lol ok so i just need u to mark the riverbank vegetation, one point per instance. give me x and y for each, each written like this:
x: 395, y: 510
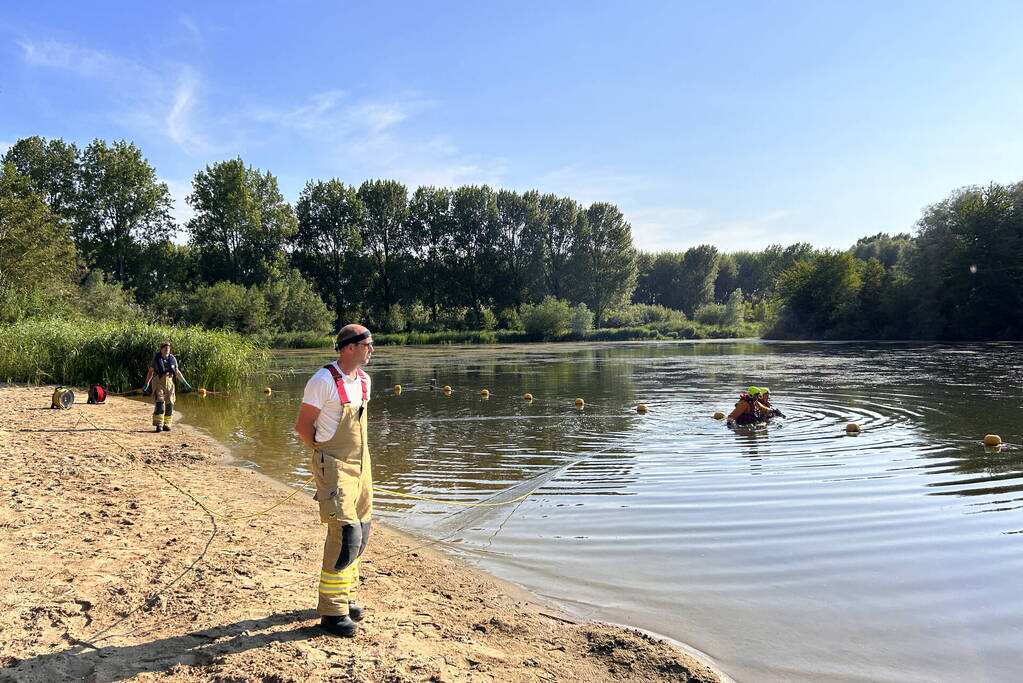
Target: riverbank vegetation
x: 117, y: 355
x: 88, y: 234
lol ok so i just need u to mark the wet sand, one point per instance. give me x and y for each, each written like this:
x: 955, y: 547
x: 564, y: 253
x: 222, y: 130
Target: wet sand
x: 108, y: 573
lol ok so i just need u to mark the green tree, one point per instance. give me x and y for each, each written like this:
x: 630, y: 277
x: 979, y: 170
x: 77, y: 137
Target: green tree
x: 241, y: 223
x: 555, y: 227
x: 430, y: 229
x: 163, y: 267
x: 517, y: 246
x: 474, y: 240
x: 50, y: 169
x: 37, y: 256
x: 727, y: 280
x: 967, y: 265
x: 643, y: 294
x: 385, y: 233
x: 696, y: 280
x: 330, y: 215
x: 121, y: 206
x: 888, y: 250
x: 819, y: 294
x: 665, y: 280
x: 604, y: 261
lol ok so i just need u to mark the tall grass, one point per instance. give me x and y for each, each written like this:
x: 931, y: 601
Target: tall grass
x: 117, y: 356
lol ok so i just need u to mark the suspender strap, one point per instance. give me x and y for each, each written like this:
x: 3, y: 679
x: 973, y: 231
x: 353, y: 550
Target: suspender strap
x: 365, y: 384
x: 339, y: 380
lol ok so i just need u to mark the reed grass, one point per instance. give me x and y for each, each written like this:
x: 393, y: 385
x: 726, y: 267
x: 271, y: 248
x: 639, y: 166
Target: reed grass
x: 80, y: 353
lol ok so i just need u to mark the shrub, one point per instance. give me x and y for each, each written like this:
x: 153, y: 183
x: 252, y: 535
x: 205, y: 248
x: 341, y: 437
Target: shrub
x: 642, y: 314
x: 395, y: 321
x: 735, y: 309
x: 582, y: 319
x: 547, y: 319
x: 228, y: 306
x: 710, y: 314
x: 293, y: 306
x: 509, y: 319
x: 488, y: 321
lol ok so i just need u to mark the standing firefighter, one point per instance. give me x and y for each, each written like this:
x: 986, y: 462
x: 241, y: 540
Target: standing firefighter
x: 162, y: 372
x: 332, y: 421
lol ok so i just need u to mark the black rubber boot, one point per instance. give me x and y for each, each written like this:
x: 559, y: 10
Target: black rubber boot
x: 355, y: 612
x: 166, y: 428
x: 342, y: 627
x: 158, y: 428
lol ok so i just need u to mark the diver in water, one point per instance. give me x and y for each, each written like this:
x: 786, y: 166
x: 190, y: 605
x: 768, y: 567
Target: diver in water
x: 749, y: 410
x: 765, y: 399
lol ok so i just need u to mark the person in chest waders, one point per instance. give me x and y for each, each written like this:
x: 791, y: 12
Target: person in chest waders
x: 332, y: 421
x: 162, y: 372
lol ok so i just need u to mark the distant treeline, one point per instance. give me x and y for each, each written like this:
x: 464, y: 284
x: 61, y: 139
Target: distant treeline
x: 88, y: 232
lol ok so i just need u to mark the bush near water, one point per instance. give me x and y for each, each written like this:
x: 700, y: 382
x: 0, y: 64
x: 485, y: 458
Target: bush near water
x: 117, y: 355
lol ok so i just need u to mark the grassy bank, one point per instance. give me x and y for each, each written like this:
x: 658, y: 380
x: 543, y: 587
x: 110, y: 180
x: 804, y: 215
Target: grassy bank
x: 117, y: 355
x: 665, y: 331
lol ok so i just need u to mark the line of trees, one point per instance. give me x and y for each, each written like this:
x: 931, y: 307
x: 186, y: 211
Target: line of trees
x: 91, y: 229
x: 443, y: 257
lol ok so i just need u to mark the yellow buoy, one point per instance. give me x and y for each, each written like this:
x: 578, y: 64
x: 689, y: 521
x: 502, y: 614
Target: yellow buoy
x: 719, y: 415
x: 397, y: 388
x: 267, y: 390
x: 852, y: 428
x: 202, y: 391
x: 993, y: 449
x: 528, y: 397
x: 579, y: 403
x: 485, y: 393
x: 641, y: 408
x: 992, y: 440
x: 447, y: 389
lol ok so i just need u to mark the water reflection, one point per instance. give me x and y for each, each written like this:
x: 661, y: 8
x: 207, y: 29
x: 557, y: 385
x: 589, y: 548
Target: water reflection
x: 770, y: 549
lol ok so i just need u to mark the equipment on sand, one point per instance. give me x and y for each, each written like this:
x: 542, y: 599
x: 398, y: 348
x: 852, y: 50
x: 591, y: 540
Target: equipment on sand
x: 62, y: 398
x: 97, y: 394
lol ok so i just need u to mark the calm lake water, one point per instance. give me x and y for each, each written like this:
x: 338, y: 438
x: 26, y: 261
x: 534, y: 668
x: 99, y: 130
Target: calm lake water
x: 789, y: 553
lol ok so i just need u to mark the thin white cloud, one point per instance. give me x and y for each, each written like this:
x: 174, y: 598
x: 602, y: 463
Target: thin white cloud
x: 179, y: 120
x: 80, y: 60
x: 191, y: 27
x: 4, y: 146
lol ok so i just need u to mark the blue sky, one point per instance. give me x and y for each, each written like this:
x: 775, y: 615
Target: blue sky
x: 734, y: 124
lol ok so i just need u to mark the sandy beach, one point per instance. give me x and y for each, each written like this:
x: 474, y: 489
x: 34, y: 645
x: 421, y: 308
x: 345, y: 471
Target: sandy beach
x: 109, y: 574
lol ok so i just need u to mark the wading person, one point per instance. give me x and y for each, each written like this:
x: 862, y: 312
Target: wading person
x: 749, y: 410
x: 332, y: 421
x: 162, y: 372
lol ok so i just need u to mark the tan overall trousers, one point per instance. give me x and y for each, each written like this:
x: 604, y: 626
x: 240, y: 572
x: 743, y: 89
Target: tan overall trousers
x: 163, y: 391
x: 344, y: 491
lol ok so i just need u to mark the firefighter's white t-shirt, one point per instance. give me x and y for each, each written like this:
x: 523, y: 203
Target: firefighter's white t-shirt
x: 321, y: 392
